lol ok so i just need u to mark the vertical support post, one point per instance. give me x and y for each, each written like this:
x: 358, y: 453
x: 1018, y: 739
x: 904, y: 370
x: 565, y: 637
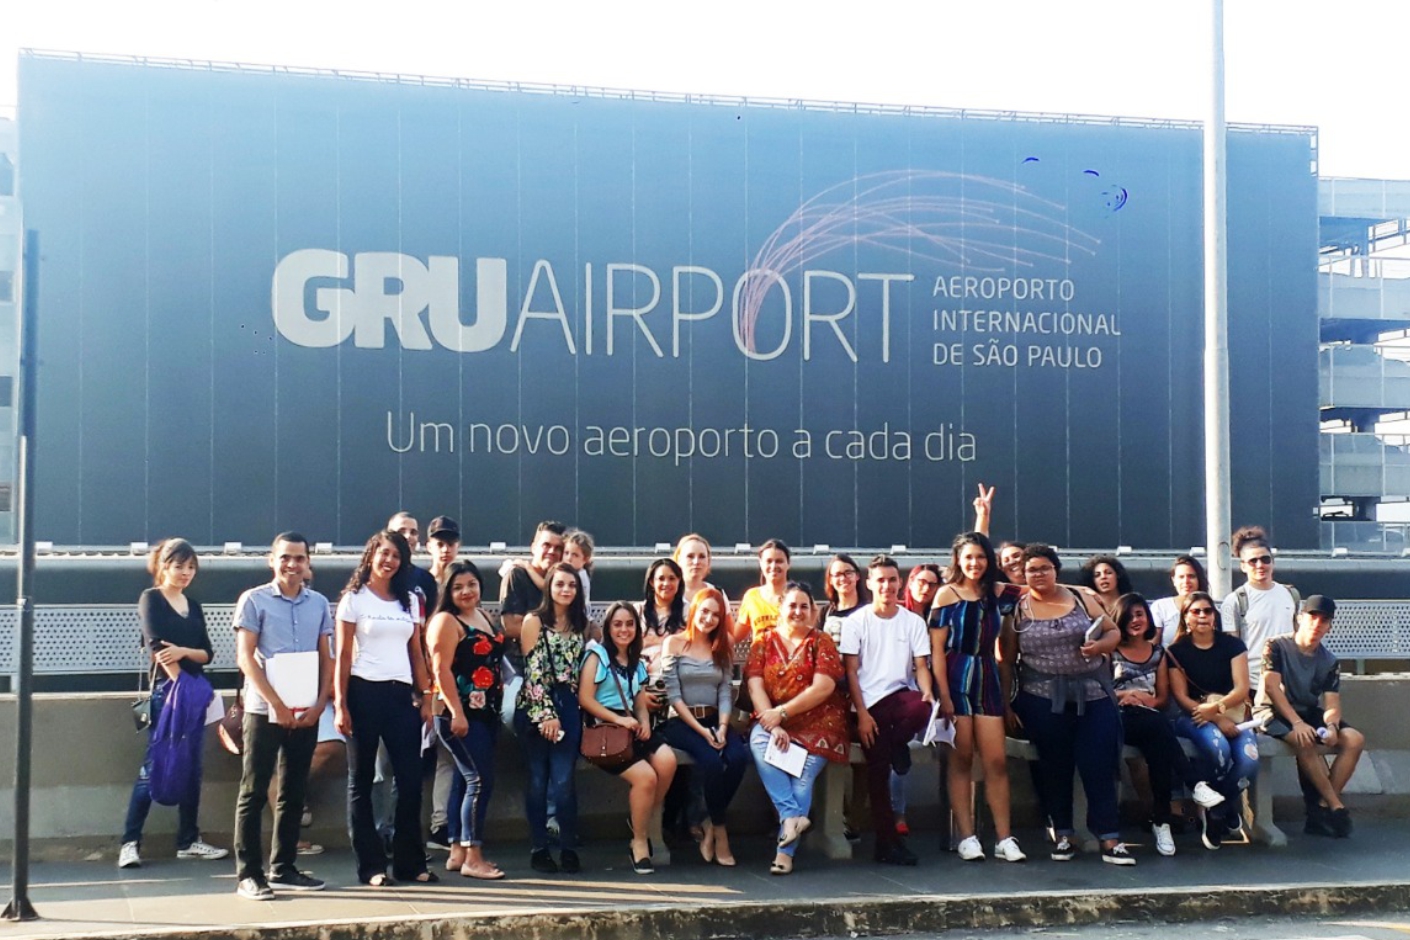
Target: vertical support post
x: 19, y: 907
x: 1216, y: 323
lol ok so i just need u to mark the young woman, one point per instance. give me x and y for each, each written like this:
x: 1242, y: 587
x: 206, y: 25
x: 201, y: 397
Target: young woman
x: 1107, y: 577
x: 612, y: 689
x: 1187, y: 576
x: 759, y: 608
x: 1011, y: 560
x: 379, y: 672
x: 921, y: 585
x: 693, y: 555
x: 1065, y: 701
x: 662, y: 608
x: 793, y: 674
x: 174, y: 633
x: 1142, y: 682
x: 698, y: 668
x: 846, y: 590
x: 964, y: 637
x: 547, y: 718
x: 1210, y: 684
x: 466, y: 651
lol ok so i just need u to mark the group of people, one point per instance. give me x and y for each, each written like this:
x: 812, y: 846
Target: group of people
x: 994, y: 645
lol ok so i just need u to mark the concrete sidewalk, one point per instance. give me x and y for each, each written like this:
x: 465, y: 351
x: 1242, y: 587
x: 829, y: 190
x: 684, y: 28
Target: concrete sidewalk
x: 167, y: 897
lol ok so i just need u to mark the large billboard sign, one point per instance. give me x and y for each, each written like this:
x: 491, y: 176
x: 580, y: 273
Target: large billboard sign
x: 273, y: 300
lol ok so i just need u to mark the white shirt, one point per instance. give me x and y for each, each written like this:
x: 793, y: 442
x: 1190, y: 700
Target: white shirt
x: 886, y: 650
x: 1166, y: 614
x: 1270, y: 613
x: 383, y: 631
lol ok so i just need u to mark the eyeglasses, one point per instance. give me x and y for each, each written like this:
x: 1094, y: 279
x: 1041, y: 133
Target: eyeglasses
x: 927, y: 582
x: 1200, y: 612
x: 1259, y: 560
x: 1045, y: 569
x: 846, y: 574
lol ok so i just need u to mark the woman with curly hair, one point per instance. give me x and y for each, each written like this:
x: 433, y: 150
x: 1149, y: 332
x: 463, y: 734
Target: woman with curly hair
x: 1107, y: 577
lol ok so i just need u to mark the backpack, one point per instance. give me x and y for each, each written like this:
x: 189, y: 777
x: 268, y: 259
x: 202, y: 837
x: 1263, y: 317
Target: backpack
x: 177, y: 738
x: 1240, y: 596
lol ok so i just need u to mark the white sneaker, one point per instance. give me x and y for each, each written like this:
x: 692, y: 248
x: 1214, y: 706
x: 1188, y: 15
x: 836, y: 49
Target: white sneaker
x: 1164, y: 841
x: 1206, y: 796
x: 129, y: 857
x: 1008, y: 851
x: 970, y: 850
x: 202, y: 850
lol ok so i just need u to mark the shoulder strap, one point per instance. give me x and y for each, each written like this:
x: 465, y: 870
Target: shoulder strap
x: 1296, y: 598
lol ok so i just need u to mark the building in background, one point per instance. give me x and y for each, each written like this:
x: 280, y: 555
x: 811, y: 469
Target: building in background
x: 11, y: 240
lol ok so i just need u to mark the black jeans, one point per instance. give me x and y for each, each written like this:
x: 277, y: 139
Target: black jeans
x: 384, y: 711
x: 1151, y: 733
x: 268, y: 746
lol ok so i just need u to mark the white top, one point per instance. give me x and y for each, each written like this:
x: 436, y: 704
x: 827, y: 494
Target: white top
x: 1270, y: 613
x: 886, y: 650
x: 1166, y: 614
x: 383, y: 630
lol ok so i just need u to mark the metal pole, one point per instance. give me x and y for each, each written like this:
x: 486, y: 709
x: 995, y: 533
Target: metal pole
x: 1216, y: 323
x: 19, y: 907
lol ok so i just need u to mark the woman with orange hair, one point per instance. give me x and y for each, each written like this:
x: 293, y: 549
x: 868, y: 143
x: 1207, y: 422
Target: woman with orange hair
x: 696, y: 664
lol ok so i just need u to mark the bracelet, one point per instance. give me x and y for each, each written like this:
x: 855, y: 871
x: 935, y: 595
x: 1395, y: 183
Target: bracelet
x: 782, y: 712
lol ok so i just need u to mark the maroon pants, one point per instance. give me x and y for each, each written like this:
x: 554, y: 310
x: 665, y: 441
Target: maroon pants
x: 899, y: 717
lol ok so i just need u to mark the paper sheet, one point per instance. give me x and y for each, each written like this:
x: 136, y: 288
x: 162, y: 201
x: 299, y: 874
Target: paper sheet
x: 939, y: 731
x: 295, y: 677
x: 790, y: 761
x: 216, y: 709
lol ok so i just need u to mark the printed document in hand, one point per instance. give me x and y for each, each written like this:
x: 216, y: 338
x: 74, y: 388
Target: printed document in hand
x: 790, y: 761
x: 295, y: 677
x: 215, y: 710
x: 940, y: 730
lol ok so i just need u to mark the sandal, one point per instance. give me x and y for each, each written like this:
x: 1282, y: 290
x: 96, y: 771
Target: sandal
x: 380, y: 880
x: 779, y: 868
x: 422, y: 878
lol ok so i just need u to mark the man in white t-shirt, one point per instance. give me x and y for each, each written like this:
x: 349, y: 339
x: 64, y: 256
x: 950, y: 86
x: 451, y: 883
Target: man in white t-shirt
x: 884, y: 647
x: 1261, y: 608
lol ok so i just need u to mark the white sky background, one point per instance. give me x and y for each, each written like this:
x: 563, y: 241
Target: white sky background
x: 1336, y: 64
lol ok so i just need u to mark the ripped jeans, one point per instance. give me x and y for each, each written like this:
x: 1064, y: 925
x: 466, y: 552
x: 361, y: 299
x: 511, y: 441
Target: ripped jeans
x: 1229, y: 764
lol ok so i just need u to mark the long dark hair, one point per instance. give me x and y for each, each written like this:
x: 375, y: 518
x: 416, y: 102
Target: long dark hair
x: 675, y: 620
x: 446, y: 604
x: 863, y: 593
x: 1183, y: 630
x: 1125, y: 605
x: 1088, y: 577
x: 992, y: 575
x: 610, y: 645
x: 172, y: 551
x: 781, y: 546
x: 401, y: 580
x: 577, y: 610
x: 1201, y: 579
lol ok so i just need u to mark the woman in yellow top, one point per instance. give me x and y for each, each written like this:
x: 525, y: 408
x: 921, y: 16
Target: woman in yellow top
x: 758, y: 610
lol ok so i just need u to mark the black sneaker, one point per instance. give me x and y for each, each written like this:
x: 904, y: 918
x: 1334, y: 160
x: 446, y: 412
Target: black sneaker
x: 570, y: 863
x: 439, y: 839
x: 1063, y: 850
x: 1118, y: 854
x: 254, y: 889
x: 543, y: 863
x: 896, y: 854
x: 1340, y: 820
x: 296, y: 881
x: 1211, y: 832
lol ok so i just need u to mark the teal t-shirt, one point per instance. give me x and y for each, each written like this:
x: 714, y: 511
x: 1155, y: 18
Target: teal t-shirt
x: 607, y: 694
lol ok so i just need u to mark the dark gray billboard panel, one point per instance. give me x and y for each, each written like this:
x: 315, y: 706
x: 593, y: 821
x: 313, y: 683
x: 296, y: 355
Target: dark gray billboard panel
x: 276, y: 300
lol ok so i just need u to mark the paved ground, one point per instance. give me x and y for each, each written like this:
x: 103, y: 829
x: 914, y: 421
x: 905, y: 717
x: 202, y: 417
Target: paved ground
x: 1366, y: 875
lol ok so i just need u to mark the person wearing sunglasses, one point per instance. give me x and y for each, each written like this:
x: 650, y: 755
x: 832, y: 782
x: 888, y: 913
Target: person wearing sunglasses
x: 1260, y: 608
x: 1209, y: 681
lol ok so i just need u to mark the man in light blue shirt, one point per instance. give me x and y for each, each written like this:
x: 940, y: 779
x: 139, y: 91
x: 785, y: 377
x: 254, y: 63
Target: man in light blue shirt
x: 274, y: 619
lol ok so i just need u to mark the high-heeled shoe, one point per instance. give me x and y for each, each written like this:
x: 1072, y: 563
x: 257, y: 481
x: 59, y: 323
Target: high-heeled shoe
x: 707, y: 842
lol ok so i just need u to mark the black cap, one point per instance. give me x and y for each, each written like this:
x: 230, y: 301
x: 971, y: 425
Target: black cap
x: 445, y: 528
x: 1319, y: 604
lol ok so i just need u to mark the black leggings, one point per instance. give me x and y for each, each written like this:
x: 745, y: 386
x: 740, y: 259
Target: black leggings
x: 1150, y: 732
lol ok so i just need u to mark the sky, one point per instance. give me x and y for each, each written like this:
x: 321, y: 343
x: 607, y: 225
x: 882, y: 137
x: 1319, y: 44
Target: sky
x: 1330, y: 65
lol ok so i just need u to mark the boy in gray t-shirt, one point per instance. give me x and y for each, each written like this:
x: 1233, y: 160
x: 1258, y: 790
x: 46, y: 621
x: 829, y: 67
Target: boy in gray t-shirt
x: 1299, y: 701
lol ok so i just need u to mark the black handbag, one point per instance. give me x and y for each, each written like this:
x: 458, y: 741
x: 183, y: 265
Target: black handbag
x: 142, y: 704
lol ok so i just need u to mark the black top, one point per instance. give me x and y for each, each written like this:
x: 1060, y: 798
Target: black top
x: 523, y: 595
x: 1211, y: 671
x: 425, y: 585
x: 161, y: 624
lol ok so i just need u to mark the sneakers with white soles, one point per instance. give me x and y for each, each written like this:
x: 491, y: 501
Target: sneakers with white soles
x: 970, y: 850
x: 1206, y: 796
x: 1008, y: 851
x: 1164, y: 841
x: 1118, y: 854
x: 202, y: 850
x: 130, y: 856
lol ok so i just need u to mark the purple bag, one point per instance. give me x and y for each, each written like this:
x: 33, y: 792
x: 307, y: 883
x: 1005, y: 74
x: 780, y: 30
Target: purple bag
x: 177, y: 738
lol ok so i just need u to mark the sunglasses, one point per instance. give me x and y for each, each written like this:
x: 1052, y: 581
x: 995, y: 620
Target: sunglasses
x: 1259, y: 560
x: 1201, y: 612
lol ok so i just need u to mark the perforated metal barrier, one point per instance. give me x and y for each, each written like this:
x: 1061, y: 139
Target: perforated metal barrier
x: 79, y: 640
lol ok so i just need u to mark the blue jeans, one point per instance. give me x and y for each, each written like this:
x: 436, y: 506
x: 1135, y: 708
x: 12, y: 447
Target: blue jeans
x: 791, y: 796
x: 140, y: 803
x: 1086, y: 743
x: 1230, y: 765
x: 720, y: 772
x: 472, y: 784
x: 551, y: 766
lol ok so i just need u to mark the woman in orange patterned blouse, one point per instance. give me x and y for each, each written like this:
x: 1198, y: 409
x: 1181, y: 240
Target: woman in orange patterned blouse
x: 794, y: 672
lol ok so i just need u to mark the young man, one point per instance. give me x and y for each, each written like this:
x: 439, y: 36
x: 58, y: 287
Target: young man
x: 884, y: 647
x: 1299, y: 701
x: 282, y: 617
x: 1261, y: 608
x: 443, y: 542
x: 519, y: 593
x: 422, y: 581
